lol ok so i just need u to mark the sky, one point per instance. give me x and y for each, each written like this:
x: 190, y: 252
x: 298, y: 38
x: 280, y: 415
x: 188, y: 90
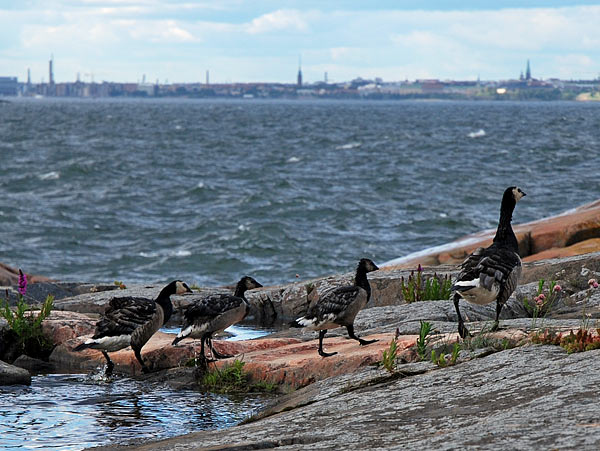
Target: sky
x: 175, y: 41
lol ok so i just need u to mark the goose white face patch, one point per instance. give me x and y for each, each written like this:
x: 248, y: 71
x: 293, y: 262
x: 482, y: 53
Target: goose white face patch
x: 517, y: 194
x: 181, y: 288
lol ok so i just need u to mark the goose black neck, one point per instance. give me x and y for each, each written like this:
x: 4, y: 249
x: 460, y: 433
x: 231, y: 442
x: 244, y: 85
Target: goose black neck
x: 164, y: 300
x: 504, y: 234
x: 240, y: 289
x: 361, y: 280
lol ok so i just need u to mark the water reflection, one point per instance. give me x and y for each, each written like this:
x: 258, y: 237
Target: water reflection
x: 72, y: 412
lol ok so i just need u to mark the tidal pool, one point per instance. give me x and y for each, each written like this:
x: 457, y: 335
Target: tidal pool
x: 77, y: 411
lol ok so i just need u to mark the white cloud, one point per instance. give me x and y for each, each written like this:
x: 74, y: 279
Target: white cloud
x: 277, y: 21
x: 393, y: 44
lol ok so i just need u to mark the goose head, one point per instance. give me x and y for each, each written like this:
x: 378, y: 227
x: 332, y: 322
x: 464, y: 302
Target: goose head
x: 181, y: 287
x: 517, y: 193
x: 249, y: 283
x: 367, y: 265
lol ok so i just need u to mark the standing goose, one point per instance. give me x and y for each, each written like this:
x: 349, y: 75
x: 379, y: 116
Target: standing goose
x: 492, y: 273
x: 339, y: 306
x: 131, y: 321
x: 215, y: 313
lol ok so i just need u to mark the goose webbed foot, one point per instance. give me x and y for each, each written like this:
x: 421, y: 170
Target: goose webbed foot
x: 463, y: 331
x: 352, y: 335
x: 326, y: 354
x: 218, y: 355
x: 321, y: 352
x: 109, y: 365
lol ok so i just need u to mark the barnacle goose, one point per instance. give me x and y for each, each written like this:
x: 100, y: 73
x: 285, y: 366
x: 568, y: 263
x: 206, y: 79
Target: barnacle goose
x: 492, y: 273
x: 214, y: 313
x: 131, y: 321
x: 339, y: 306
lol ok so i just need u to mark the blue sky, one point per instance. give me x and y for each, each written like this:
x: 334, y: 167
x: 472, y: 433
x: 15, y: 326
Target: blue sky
x: 247, y: 41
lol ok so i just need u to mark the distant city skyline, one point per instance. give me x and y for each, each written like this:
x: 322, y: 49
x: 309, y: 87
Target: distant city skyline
x: 262, y: 41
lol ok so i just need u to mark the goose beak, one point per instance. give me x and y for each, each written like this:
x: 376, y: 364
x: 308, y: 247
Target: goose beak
x: 258, y: 285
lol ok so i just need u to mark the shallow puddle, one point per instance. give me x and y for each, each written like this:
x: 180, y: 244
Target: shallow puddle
x: 72, y: 412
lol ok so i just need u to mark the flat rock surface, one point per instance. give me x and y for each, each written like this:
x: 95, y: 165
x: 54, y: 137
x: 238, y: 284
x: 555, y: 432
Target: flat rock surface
x: 531, y: 397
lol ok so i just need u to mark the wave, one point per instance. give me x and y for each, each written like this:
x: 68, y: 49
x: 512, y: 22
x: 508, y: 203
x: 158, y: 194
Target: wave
x: 478, y: 134
x: 351, y: 145
x: 165, y: 253
x: 293, y: 160
x: 52, y: 175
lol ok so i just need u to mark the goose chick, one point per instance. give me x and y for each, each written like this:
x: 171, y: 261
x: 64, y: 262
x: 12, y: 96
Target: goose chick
x: 131, y: 321
x: 338, y: 307
x: 491, y: 274
x: 215, y: 313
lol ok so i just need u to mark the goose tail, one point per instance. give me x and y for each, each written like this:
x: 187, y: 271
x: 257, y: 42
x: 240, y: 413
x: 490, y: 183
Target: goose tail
x: 82, y: 346
x: 181, y: 335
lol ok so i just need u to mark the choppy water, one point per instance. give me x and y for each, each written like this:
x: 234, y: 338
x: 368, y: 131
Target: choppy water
x: 210, y: 190
x: 72, y: 412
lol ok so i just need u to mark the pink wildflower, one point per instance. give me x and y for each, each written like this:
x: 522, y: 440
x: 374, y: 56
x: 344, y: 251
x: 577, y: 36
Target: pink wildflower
x: 593, y: 283
x: 539, y: 301
x: 542, y: 296
x: 557, y: 288
x: 22, y: 283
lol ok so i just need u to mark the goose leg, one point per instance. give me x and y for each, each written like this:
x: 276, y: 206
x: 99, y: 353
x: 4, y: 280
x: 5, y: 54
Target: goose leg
x: 496, y: 325
x: 138, y: 356
x: 351, y: 334
x: 321, y: 352
x: 216, y: 353
x: 109, y: 364
x: 208, y: 339
x: 462, y: 330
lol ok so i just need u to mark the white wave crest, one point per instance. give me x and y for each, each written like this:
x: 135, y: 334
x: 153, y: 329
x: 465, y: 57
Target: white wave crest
x: 293, y: 160
x: 352, y: 145
x: 52, y: 175
x: 478, y: 134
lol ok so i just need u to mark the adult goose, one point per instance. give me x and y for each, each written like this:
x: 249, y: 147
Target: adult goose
x: 338, y: 307
x: 215, y: 313
x: 491, y: 274
x: 131, y: 321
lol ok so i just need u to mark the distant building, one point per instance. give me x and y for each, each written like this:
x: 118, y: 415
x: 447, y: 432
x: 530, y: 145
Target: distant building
x: 8, y: 86
x: 299, y: 80
x: 528, y: 72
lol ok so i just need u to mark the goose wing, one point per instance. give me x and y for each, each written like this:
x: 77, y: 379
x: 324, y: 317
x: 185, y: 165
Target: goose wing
x: 124, y: 315
x: 489, y: 266
x: 211, y: 306
x: 333, y: 303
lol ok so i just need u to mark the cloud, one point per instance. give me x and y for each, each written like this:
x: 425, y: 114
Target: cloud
x: 393, y: 44
x: 287, y: 20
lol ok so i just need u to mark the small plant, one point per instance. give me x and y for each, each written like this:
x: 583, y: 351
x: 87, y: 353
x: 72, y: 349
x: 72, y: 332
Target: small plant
x: 542, y: 303
x: 120, y: 284
x: 581, y: 341
x: 233, y: 379
x: 424, y: 332
x: 388, y: 360
x: 416, y: 288
x: 441, y: 359
x: 546, y: 337
x: 26, y: 325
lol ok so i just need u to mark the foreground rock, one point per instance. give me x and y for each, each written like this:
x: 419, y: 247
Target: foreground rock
x: 13, y: 375
x: 532, y: 397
